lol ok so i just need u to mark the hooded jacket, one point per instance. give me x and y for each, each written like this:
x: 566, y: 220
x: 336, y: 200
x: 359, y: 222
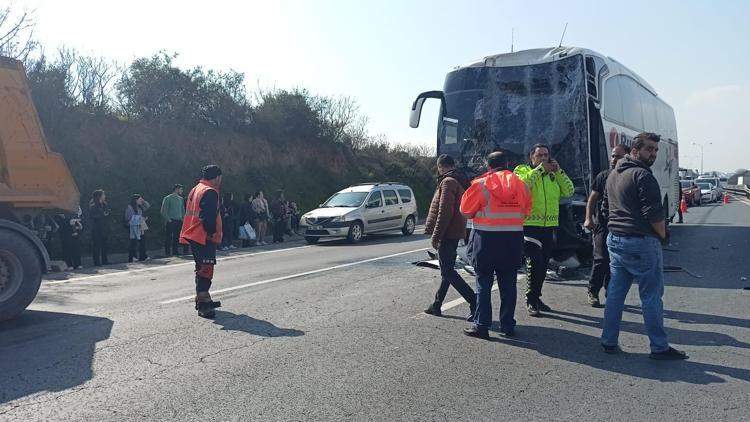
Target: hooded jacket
x: 632, y: 199
x: 444, y: 220
x: 546, y: 191
x: 497, y: 201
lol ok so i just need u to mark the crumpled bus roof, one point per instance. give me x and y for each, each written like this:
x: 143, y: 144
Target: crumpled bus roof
x: 545, y: 55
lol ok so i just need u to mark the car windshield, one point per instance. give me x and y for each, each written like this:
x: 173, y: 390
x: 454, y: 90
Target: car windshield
x: 346, y: 199
x: 686, y: 185
x: 705, y: 186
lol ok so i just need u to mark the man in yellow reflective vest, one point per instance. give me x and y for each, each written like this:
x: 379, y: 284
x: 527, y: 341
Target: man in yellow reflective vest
x: 548, y: 183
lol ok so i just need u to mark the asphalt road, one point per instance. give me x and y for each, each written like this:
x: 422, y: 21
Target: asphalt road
x: 335, y: 332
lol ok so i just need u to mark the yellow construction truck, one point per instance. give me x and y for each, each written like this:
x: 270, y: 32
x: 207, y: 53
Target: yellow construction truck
x: 34, y: 183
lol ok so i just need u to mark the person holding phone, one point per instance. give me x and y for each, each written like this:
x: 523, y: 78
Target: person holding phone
x: 548, y: 183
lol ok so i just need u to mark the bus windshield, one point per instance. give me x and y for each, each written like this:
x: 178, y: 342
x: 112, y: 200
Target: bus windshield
x: 513, y: 108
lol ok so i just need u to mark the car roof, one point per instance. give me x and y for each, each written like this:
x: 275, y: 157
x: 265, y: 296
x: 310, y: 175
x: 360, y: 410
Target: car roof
x: 368, y: 187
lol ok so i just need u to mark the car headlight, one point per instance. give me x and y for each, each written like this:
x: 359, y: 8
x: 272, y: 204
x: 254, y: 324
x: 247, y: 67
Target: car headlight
x: 338, y: 219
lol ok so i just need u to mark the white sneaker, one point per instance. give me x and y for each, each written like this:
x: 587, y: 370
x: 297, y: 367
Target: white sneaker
x: 69, y: 269
x: 80, y: 267
x: 232, y: 247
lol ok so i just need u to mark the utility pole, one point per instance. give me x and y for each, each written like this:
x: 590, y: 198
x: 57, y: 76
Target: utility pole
x: 701, y: 147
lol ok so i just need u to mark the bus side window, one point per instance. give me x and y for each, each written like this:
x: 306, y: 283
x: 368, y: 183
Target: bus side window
x: 613, y: 100
x: 450, y: 130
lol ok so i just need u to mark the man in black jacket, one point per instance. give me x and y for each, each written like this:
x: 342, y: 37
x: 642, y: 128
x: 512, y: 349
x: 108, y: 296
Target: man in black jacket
x: 596, y: 221
x: 636, y: 229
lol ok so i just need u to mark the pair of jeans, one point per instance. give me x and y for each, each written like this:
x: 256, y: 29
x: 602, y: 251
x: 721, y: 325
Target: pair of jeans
x: 635, y: 259
x: 227, y: 233
x: 172, y: 237
x: 496, y: 254
x: 538, y: 246
x: 99, y: 246
x: 71, y: 250
x: 138, y: 246
x: 450, y: 277
x: 600, y: 269
x: 278, y: 230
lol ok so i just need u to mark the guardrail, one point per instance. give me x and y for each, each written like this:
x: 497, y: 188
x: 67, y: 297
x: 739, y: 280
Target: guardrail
x: 738, y: 190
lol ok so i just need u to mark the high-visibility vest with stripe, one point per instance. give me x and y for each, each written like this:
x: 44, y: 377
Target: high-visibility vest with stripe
x: 192, y: 226
x: 497, y: 201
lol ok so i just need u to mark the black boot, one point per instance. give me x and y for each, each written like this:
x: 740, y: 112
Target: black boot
x: 434, y: 309
x: 206, y: 310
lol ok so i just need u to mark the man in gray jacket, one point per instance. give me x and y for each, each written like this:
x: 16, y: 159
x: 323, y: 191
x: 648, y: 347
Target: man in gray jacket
x: 636, y: 229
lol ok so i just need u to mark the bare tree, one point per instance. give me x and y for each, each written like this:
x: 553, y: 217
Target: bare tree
x: 94, y: 81
x: 17, y: 34
x: 339, y: 115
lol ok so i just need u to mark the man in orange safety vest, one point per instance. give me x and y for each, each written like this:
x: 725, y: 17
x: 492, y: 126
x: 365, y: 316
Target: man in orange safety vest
x: 497, y: 203
x: 202, y: 230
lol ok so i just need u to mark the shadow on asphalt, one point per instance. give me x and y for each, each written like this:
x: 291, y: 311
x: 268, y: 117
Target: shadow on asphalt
x: 48, y: 351
x: 247, y: 324
x: 676, y: 335
x: 714, y: 252
x: 586, y: 350
x: 373, y: 239
x: 693, y: 318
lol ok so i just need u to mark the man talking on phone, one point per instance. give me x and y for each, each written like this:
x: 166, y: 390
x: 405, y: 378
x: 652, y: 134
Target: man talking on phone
x: 548, y: 183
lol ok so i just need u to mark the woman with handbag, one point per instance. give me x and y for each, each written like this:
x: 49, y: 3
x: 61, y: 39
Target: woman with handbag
x: 137, y: 227
x: 247, y: 216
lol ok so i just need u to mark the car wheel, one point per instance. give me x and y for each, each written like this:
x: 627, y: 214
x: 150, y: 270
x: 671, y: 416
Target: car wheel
x: 311, y: 240
x: 356, y: 232
x: 409, y: 225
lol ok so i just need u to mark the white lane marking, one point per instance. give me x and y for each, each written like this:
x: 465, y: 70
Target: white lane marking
x: 181, y: 264
x: 453, y: 303
x: 167, y: 266
x: 298, y: 275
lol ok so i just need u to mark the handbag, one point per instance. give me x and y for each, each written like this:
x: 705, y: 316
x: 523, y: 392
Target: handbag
x: 247, y: 232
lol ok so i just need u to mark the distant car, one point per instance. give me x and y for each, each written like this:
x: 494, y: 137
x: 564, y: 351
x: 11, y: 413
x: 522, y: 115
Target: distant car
x: 709, y: 193
x: 363, y: 209
x: 712, y: 180
x: 691, y: 192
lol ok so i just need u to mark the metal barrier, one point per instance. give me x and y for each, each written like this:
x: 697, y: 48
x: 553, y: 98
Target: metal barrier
x: 738, y: 190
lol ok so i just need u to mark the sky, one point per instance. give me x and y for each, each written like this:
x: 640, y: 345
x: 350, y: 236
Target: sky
x: 385, y: 52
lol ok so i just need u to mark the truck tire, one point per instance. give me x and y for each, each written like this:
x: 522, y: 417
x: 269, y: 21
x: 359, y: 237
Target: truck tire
x: 20, y: 274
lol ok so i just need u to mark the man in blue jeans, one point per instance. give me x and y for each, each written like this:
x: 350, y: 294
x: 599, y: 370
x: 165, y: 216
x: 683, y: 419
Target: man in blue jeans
x: 636, y: 228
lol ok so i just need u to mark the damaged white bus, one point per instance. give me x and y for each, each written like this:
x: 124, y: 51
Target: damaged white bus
x: 579, y: 102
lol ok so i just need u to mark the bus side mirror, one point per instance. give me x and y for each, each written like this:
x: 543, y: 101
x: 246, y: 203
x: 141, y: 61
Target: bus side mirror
x: 416, y: 107
x: 416, y: 112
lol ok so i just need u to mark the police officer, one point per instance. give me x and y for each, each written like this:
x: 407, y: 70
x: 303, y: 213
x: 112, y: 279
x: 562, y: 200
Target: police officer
x: 596, y: 221
x: 497, y: 203
x: 548, y: 183
x: 202, y: 230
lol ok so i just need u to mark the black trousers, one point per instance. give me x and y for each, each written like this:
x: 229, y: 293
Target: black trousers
x: 71, y: 249
x: 600, y: 269
x: 140, y: 245
x: 172, y: 237
x: 538, y: 246
x: 278, y: 230
x: 451, y: 277
x: 205, y: 260
x: 99, y: 240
